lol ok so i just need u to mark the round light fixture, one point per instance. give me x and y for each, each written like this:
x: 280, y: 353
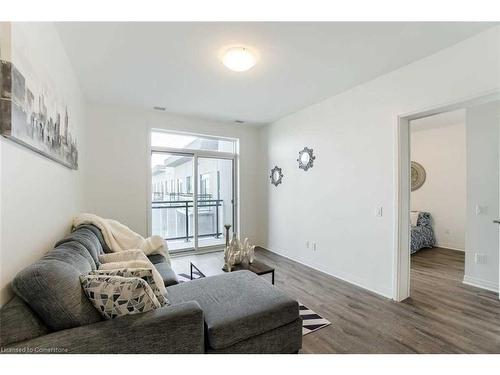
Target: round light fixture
x: 239, y: 59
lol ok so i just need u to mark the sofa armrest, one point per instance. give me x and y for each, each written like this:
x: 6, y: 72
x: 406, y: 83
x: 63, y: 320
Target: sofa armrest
x: 171, y: 329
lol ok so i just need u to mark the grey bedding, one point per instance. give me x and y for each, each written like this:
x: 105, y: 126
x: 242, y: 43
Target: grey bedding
x: 422, y: 235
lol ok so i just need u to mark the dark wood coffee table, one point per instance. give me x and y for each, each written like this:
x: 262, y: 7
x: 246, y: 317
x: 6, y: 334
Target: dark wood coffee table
x: 213, y: 266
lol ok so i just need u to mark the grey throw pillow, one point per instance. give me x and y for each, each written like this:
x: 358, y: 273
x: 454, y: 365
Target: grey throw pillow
x: 115, y: 296
x: 144, y: 273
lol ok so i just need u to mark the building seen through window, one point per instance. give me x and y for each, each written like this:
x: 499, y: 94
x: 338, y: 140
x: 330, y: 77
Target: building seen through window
x: 173, y: 190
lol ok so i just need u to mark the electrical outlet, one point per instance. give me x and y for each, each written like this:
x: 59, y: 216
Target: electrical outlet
x: 480, y: 258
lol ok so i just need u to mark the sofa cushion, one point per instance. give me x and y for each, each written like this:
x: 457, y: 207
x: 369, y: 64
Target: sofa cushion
x: 236, y: 306
x: 115, y: 296
x: 19, y: 323
x: 167, y: 273
x: 51, y: 287
x: 123, y: 256
x: 137, y: 264
x: 86, y: 237
x: 157, y: 258
x: 144, y: 273
x: 98, y: 234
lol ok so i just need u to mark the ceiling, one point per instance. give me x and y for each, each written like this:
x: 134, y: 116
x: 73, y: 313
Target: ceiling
x: 177, y: 65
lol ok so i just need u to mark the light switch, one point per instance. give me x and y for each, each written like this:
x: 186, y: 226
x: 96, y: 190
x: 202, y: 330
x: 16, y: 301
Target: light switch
x: 379, y: 212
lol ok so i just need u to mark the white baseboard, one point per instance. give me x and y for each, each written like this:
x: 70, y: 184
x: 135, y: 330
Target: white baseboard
x: 480, y: 283
x: 450, y: 247
x: 343, y: 278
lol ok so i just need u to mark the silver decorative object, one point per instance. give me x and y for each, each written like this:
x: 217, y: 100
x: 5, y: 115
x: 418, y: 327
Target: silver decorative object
x: 238, y: 252
x: 227, y: 227
x: 276, y: 176
x: 306, y: 158
x: 418, y: 175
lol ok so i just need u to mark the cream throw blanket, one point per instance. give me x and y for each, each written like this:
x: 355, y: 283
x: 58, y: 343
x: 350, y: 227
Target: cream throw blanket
x: 119, y: 237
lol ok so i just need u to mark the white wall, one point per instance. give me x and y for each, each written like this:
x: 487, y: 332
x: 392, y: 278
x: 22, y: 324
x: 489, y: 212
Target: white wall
x: 38, y: 196
x: 354, y: 137
x: 5, y: 54
x: 483, y: 124
x: 441, y: 151
x: 117, y: 160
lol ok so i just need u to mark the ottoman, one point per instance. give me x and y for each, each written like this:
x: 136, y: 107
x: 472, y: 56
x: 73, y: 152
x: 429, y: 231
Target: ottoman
x: 243, y: 313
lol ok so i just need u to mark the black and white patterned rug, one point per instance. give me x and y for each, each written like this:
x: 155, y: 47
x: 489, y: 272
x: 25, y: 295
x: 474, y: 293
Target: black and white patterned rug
x: 311, y: 321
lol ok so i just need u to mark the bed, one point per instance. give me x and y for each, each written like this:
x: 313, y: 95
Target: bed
x: 422, y: 234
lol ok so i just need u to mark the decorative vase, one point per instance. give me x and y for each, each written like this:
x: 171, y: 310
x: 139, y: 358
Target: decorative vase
x: 237, y: 252
x: 227, y: 263
x: 251, y: 254
x: 227, y: 227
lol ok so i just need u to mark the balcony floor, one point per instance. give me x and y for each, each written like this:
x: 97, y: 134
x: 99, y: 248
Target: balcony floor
x: 179, y: 245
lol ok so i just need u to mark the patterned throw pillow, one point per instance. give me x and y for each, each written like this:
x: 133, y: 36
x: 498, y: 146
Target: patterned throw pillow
x: 115, y: 296
x: 144, y: 273
x: 137, y: 264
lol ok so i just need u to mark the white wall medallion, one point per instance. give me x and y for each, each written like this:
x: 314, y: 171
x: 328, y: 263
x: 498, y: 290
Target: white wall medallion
x: 276, y: 176
x: 417, y: 175
x: 306, y: 158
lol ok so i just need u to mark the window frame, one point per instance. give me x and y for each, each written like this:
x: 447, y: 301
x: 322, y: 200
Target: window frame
x: 234, y: 156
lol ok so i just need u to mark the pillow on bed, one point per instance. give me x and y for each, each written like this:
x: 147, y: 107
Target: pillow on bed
x: 414, y: 218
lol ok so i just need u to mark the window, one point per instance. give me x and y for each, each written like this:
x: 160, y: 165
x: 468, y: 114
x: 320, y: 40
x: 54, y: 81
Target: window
x: 205, y: 184
x: 191, y: 142
x: 193, y: 187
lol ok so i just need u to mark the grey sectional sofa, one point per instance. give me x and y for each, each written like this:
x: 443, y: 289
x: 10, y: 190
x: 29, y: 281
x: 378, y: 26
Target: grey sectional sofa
x: 232, y: 313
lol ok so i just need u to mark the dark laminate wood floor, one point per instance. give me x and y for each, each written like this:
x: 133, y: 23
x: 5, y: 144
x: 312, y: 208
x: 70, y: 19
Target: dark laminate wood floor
x: 442, y: 316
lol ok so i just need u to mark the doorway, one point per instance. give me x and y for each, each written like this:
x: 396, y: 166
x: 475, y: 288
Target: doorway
x: 403, y: 204
x: 438, y: 201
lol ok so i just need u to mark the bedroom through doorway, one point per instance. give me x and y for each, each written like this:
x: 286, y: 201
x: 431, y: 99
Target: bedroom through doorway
x: 454, y: 201
x: 438, y: 200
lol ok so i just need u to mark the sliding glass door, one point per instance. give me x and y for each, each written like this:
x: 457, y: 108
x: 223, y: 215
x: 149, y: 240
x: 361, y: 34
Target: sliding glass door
x: 192, y: 190
x: 215, y: 200
x: 172, y: 201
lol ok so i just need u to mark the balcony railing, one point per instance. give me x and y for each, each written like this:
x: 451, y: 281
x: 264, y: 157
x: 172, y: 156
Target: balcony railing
x: 176, y: 201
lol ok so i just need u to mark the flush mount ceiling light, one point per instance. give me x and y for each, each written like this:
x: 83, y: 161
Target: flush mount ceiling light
x: 239, y: 59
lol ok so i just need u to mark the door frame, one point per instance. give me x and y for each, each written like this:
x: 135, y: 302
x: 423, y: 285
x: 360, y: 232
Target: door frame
x: 401, y: 266
x: 195, y: 154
